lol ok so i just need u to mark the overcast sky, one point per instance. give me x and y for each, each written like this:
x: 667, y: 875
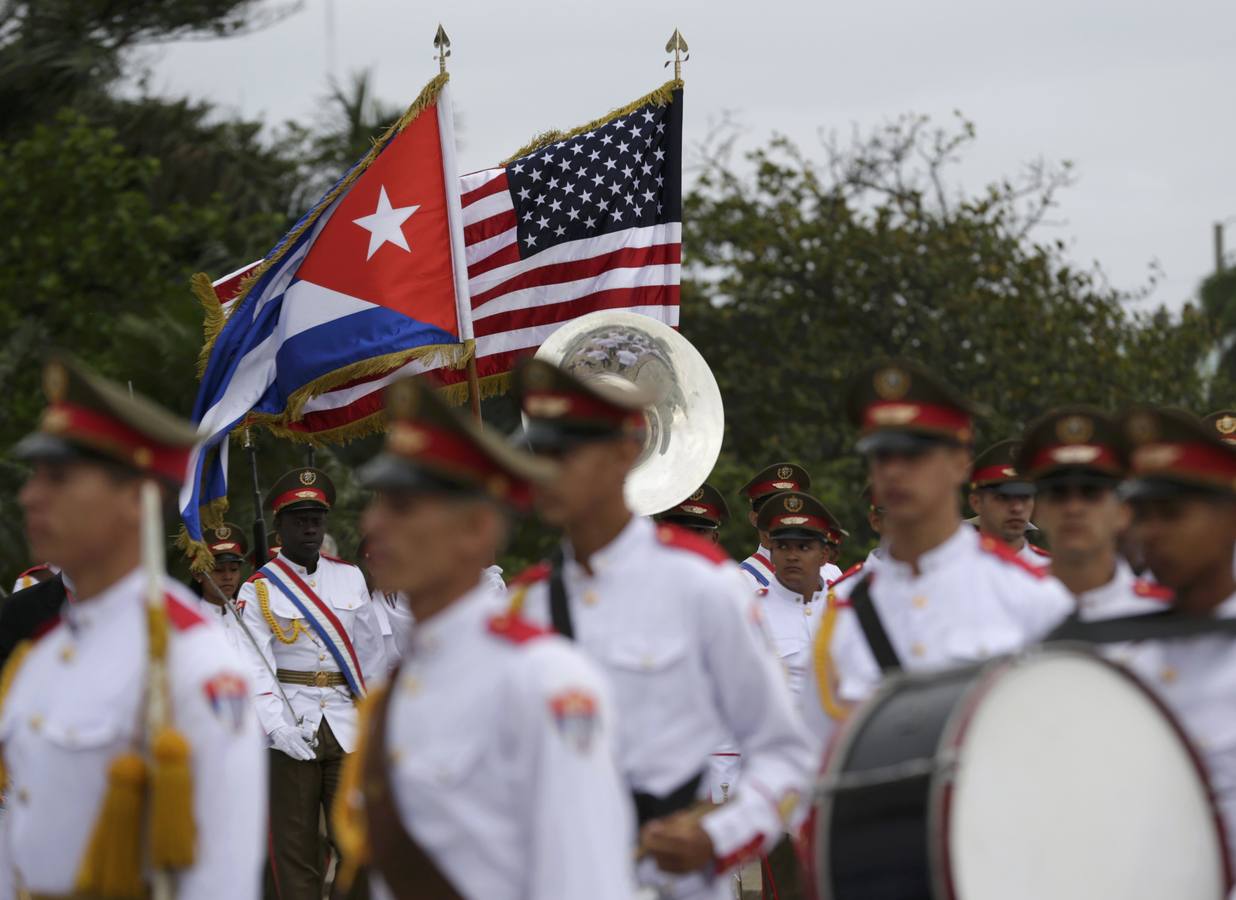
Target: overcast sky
x: 1139, y: 94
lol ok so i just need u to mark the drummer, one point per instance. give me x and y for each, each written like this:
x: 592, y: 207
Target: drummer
x: 943, y: 594
x: 1076, y: 459
x: 1183, y: 495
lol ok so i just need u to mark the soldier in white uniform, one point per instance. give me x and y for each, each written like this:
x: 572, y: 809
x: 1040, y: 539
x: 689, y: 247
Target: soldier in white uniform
x: 493, y: 742
x: 316, y: 629
x: 74, y: 738
x: 1076, y: 458
x: 770, y: 480
x: 1003, y: 501
x: 703, y: 512
x: 669, y: 617
x: 943, y: 594
x: 228, y: 549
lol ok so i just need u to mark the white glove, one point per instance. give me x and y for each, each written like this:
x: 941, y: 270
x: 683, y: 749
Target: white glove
x: 289, y: 740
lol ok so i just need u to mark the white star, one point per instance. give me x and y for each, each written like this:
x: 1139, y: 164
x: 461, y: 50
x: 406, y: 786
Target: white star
x: 639, y: 210
x: 568, y: 188
x: 628, y: 198
x: 607, y: 139
x: 524, y: 193
x: 634, y: 132
x: 622, y: 146
x: 553, y: 183
x: 598, y: 180
x: 536, y: 175
x: 385, y: 225
x: 626, y: 171
x: 540, y: 198
x: 560, y: 231
x: 609, y: 164
x: 564, y: 163
x: 594, y: 155
x: 648, y: 195
x: 590, y: 222
x: 615, y: 187
x: 648, y: 116
x: 556, y: 205
x: 585, y: 196
x: 660, y: 208
x: 660, y: 154
x: 660, y: 128
x: 646, y: 168
x: 577, y: 149
x: 603, y: 205
x: 572, y: 213
x: 660, y: 180
x: 530, y: 240
x: 542, y: 222
x: 617, y: 214
x: 528, y: 216
x: 517, y: 168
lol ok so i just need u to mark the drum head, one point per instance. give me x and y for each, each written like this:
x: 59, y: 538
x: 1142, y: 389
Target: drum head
x: 1072, y: 783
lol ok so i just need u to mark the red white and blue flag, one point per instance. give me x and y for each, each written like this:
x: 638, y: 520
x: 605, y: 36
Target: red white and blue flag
x: 370, y: 278
x: 587, y: 222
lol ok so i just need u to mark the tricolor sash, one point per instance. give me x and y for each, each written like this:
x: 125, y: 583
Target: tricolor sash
x: 321, y: 619
x: 750, y: 567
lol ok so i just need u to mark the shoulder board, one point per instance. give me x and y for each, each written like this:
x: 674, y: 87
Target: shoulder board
x: 256, y: 576
x: 1152, y: 591
x: 853, y: 570
x: 1004, y: 552
x: 336, y: 559
x: 41, y: 567
x: 514, y: 628
x: 681, y: 539
x: 530, y: 575
x: 180, y: 615
x: 1038, y: 550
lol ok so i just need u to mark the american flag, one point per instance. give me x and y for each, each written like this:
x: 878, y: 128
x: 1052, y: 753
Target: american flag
x: 590, y: 222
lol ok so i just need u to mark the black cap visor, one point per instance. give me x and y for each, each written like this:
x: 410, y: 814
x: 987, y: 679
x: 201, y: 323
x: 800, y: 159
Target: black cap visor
x: 1011, y: 488
x: 897, y: 441
x: 797, y: 534
x: 387, y: 472
x: 548, y: 436
x: 1152, y: 488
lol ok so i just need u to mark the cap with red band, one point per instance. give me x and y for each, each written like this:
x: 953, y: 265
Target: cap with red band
x: 996, y: 468
x: 1172, y: 451
x: 782, y: 476
x: 897, y: 403
x: 793, y: 514
x: 431, y: 447
x: 705, y: 507
x: 1073, y: 440
x: 226, y: 541
x: 307, y: 488
x: 562, y: 408
x: 89, y: 416
x: 1224, y: 424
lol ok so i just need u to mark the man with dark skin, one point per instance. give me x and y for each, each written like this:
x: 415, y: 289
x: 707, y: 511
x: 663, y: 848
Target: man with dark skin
x: 314, y: 623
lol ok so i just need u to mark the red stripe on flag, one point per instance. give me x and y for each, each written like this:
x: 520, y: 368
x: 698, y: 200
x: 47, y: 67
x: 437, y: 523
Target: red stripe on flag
x: 507, y: 255
x: 549, y: 313
x: 488, y: 228
x: 493, y: 186
x: 556, y: 273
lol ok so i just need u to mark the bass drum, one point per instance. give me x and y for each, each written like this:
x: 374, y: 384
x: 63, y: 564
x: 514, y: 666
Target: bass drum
x: 1053, y: 775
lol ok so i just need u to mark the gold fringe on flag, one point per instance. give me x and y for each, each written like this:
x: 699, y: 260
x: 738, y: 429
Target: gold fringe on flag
x: 214, y: 320
x: 662, y: 96
x: 198, y: 553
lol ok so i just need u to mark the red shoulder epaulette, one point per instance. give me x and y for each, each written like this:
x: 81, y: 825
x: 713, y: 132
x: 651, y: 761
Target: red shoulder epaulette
x: 530, y: 575
x: 180, y: 615
x: 515, y: 629
x: 338, y: 560
x: 761, y: 592
x: 853, y: 570
x: 1153, y: 591
x: 1034, y: 548
x: 254, y: 577
x: 41, y: 567
x: 681, y: 539
x: 1003, y: 551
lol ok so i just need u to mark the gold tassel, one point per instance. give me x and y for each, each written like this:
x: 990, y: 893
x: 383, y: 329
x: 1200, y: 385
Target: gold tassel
x: 8, y: 675
x: 215, y: 319
x: 112, y: 866
x: 173, y: 833
x: 823, y: 662
x: 347, y: 814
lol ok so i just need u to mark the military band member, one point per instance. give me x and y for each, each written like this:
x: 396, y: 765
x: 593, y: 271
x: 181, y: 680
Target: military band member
x: 768, y: 481
x: 35, y: 575
x: 97, y: 799
x: 875, y: 521
x: 1184, y: 516
x: 493, y: 742
x: 1003, y: 501
x: 669, y: 617
x: 318, y: 636
x: 28, y: 613
x: 704, y: 512
x: 1077, y: 458
x: 228, y: 548
x: 943, y: 594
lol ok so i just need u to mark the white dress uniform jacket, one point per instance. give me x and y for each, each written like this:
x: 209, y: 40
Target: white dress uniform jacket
x: 758, y: 568
x: 671, y: 621
x: 1124, y: 595
x: 341, y: 585
x: 394, y: 621
x: 76, y: 703
x: 1035, y: 556
x: 792, y: 623
x: 502, y: 738
x: 972, y: 598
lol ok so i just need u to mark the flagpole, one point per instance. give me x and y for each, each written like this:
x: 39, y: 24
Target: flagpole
x: 442, y: 44
x: 678, y: 46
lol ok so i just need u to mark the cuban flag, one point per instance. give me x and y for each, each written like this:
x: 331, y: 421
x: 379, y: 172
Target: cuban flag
x: 372, y: 276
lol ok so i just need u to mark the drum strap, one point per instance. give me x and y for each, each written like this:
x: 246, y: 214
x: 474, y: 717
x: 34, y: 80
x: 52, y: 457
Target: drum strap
x: 559, y: 607
x: 1158, y: 626
x: 873, y: 629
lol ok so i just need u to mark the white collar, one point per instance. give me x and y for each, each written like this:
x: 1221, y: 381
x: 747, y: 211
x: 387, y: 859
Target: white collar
x: 623, y: 548
x: 939, y: 556
x: 456, y: 620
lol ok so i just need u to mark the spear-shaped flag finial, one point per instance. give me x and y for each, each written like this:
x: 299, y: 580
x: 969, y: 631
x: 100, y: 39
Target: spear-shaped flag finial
x: 678, y: 46
x: 442, y: 44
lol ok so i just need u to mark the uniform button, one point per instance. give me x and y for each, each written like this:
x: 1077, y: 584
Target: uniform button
x: 322, y: 703
x: 67, y: 652
x: 591, y: 598
x: 321, y: 656
x: 411, y: 685
x: 917, y: 649
x: 36, y: 722
x: 1169, y: 675
x: 23, y: 796
x: 919, y: 602
x: 807, y: 610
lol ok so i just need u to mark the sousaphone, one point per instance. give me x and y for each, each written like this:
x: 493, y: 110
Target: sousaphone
x: 687, y: 422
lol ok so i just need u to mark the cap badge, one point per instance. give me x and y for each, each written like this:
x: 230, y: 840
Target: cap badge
x: 546, y: 406
x: 308, y: 477
x: 892, y: 383
x: 1077, y: 455
x: 1142, y: 428
x: 693, y: 509
x: 223, y: 532
x: 1155, y: 456
x: 407, y: 439
x: 792, y: 520
x: 143, y: 457
x: 793, y: 504
x: 785, y: 472
x: 1226, y: 424
x: 306, y: 495
x: 1008, y: 472
x: 698, y: 495
x: 55, y: 420
x: 55, y: 382
x: 1074, y: 429
x: 894, y: 414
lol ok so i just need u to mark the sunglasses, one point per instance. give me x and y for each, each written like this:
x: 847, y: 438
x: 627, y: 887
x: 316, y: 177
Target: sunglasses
x: 1061, y: 492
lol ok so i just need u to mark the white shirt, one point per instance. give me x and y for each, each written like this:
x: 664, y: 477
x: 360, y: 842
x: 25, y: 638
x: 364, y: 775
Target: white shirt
x: 792, y: 623
x: 341, y: 585
x: 671, y: 621
x: 76, y: 703
x: 971, y: 599
x: 830, y: 572
x: 503, y: 741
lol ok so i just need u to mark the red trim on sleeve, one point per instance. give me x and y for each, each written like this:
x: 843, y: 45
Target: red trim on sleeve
x: 530, y: 575
x: 1003, y: 551
x: 515, y: 629
x: 682, y: 539
x: 1152, y: 591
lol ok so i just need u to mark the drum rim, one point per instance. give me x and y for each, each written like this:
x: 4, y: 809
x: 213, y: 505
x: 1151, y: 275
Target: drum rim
x: 952, y: 738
